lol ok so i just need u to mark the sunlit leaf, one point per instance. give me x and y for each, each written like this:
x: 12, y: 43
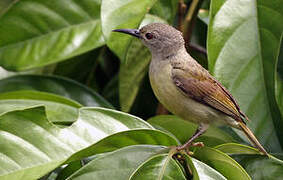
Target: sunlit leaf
x: 222, y: 163
x: 243, y: 42
x: 36, y: 33
x: 58, y: 109
x: 119, y: 164
x: 206, y: 172
x: 41, y: 146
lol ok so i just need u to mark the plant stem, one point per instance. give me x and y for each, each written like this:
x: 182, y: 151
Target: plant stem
x: 190, y: 19
x: 197, y: 48
x: 181, y: 11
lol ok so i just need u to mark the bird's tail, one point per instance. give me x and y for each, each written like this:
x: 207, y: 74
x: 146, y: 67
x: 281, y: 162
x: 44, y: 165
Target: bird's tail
x: 252, y: 138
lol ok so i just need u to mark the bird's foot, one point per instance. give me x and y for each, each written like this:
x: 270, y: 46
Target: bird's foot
x: 198, y: 144
x: 187, y: 146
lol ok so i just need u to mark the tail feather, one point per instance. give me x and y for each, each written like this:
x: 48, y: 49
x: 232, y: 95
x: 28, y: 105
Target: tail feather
x: 252, y: 138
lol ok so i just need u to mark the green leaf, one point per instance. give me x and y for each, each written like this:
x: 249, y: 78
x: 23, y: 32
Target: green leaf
x: 158, y: 167
x: 31, y: 146
x: 183, y: 130
x: 122, y: 14
x: 119, y: 164
x: 278, y: 92
x: 256, y: 165
x: 243, y: 44
x: 57, y: 85
x: 201, y: 170
x: 222, y: 163
x: 233, y: 148
x: 166, y: 9
x: 203, y: 15
x: 5, y: 5
x: 261, y: 167
x: 190, y: 167
x: 36, y: 33
x: 127, y: 138
x: 134, y: 69
x: 206, y: 172
x: 58, y: 109
x: 69, y: 170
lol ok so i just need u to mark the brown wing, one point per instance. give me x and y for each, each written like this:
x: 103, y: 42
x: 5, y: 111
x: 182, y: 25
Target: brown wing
x: 202, y: 87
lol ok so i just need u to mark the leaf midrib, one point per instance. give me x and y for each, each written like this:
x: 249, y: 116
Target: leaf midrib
x: 93, y: 21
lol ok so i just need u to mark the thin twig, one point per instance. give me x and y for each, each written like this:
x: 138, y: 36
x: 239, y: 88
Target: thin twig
x: 190, y: 19
x: 197, y: 48
x: 181, y: 11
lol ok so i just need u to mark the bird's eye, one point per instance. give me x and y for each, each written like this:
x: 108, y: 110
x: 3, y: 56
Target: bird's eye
x: 149, y: 36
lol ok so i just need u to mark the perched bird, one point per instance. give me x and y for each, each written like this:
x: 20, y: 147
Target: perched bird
x: 184, y: 87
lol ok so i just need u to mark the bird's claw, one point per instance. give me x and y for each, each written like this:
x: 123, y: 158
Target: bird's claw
x: 197, y: 144
x: 186, y: 147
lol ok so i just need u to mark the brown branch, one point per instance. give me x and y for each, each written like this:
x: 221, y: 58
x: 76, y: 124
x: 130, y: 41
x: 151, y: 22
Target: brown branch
x: 197, y: 48
x: 190, y: 19
x: 181, y: 11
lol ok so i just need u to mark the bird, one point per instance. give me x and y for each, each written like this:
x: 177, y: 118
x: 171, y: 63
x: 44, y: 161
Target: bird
x: 184, y: 87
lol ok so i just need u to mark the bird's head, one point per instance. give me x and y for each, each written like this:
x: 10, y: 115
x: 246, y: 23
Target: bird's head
x: 158, y: 37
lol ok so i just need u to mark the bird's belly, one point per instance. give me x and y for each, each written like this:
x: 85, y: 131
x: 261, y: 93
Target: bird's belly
x: 180, y: 104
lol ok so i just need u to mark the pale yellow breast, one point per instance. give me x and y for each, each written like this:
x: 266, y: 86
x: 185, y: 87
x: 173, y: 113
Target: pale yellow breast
x: 175, y: 100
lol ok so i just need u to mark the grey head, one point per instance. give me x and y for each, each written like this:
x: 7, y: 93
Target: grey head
x: 159, y: 38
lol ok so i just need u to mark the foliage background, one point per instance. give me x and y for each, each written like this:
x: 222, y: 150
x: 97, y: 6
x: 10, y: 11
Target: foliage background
x: 76, y: 103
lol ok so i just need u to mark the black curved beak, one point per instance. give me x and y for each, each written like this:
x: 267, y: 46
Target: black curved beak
x: 133, y: 32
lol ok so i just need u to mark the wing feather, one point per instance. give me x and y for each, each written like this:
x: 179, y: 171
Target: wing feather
x: 202, y: 87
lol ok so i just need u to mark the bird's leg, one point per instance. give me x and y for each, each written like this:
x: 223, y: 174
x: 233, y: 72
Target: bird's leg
x: 200, y: 130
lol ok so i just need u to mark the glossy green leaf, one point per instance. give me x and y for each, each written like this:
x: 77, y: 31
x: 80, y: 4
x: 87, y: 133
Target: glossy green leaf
x: 57, y: 85
x: 58, y: 109
x: 261, y: 167
x: 36, y: 33
x: 203, y: 14
x: 222, y: 163
x: 127, y: 138
x: 166, y: 9
x: 256, y: 165
x: 206, y: 172
x: 41, y: 146
x: 233, y: 148
x: 119, y: 164
x: 191, y: 168
x: 134, y: 69
x: 71, y: 168
x: 159, y: 166
x: 122, y: 14
x: 243, y: 43
x: 183, y: 130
